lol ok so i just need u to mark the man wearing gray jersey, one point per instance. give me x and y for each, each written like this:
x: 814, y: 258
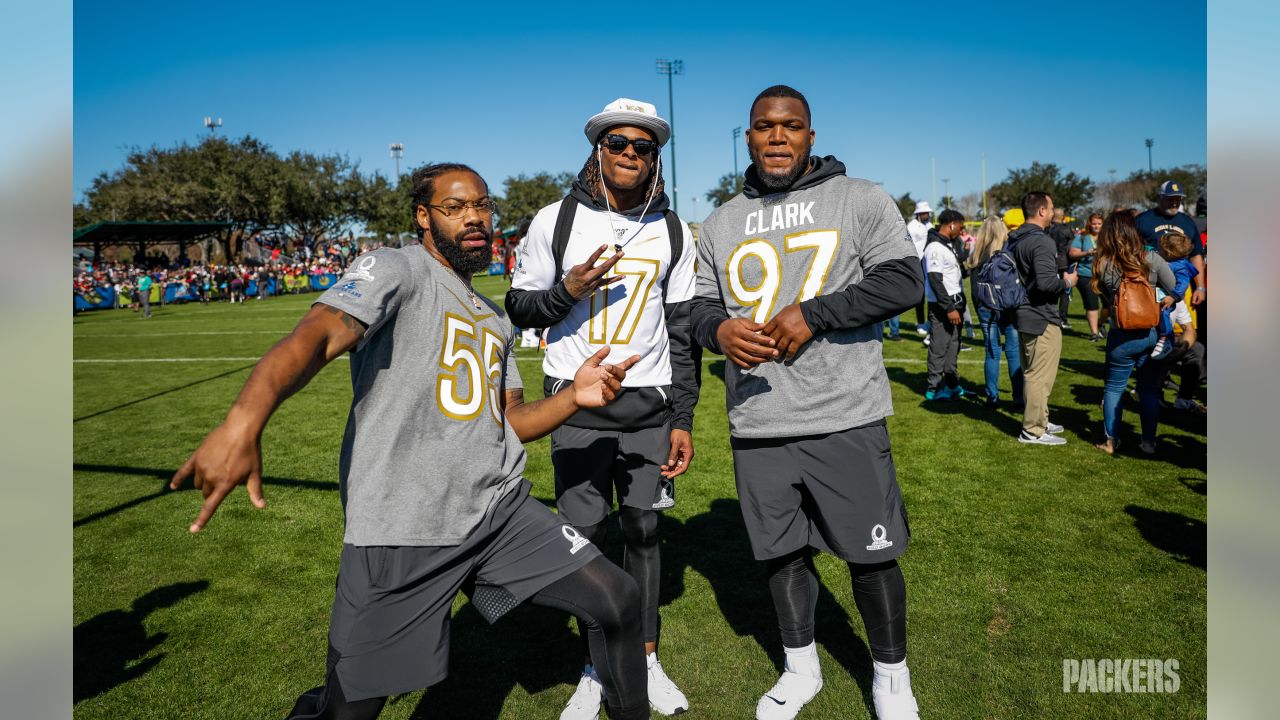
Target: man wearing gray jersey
x: 431, y: 466
x: 794, y: 275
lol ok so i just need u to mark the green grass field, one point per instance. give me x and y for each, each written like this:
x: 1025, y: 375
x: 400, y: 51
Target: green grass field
x: 1020, y: 556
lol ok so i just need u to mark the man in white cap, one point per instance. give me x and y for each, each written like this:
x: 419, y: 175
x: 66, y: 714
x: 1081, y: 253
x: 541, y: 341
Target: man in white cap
x: 918, y: 228
x: 611, y: 264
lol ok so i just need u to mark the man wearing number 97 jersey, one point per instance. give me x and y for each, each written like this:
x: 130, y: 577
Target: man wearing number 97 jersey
x: 431, y: 471
x: 610, y: 264
x: 793, y: 276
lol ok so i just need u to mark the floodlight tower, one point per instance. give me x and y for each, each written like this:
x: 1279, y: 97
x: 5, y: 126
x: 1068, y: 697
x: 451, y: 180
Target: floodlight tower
x: 671, y: 68
x: 397, y: 152
x: 1150, y: 142
x: 737, y: 133
x: 212, y: 123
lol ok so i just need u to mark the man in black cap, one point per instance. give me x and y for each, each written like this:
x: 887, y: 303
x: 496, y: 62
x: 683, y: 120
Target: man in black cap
x: 1166, y: 216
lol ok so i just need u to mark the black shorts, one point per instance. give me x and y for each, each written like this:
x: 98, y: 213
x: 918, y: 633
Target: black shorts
x: 1087, y: 294
x: 391, y: 613
x: 590, y: 464
x: 836, y: 492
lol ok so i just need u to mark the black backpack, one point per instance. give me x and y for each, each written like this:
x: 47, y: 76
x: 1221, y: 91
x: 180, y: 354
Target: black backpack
x: 564, y: 225
x: 999, y: 285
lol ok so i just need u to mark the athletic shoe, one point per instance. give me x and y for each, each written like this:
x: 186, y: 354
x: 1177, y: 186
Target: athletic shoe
x: 1189, y: 405
x: 991, y: 402
x: 1148, y: 448
x: 921, y: 329
x: 664, y: 696
x: 585, y: 703
x: 895, y: 338
x: 957, y: 392
x: 1095, y: 337
x: 964, y: 347
x: 1045, y: 439
x: 942, y: 393
x: 1053, y: 428
x: 926, y: 339
x: 891, y: 695
x: 787, y: 696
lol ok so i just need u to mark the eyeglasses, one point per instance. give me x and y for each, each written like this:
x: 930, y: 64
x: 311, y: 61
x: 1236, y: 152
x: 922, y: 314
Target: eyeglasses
x: 618, y: 143
x: 485, y: 206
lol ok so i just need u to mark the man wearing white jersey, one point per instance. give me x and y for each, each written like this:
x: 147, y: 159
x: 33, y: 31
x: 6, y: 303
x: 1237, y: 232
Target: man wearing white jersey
x: 918, y: 228
x: 617, y: 210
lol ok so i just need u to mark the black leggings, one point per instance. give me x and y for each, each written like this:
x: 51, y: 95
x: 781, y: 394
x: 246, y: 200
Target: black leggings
x: 641, y: 559
x: 879, y: 591
x: 605, y: 601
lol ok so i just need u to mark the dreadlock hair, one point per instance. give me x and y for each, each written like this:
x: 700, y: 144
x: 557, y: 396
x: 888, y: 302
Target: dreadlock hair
x: 1120, y: 247
x: 424, y: 180
x: 591, y: 171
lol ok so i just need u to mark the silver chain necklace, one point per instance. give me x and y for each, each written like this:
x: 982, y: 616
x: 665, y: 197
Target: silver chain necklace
x: 465, y: 285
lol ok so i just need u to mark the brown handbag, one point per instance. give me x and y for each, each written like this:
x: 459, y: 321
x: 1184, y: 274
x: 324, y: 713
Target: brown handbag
x: 1135, y: 306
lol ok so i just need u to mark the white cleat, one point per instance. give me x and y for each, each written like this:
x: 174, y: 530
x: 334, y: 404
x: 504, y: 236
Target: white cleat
x: 664, y: 696
x: 787, y: 696
x: 891, y: 694
x: 585, y: 703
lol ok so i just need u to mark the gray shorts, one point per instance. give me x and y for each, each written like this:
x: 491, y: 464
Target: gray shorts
x: 591, y: 463
x: 390, y: 624
x: 836, y: 492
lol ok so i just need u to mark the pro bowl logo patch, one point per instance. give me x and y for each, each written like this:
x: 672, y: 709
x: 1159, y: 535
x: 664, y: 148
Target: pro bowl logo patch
x: 878, y: 542
x: 576, y: 541
x: 361, y: 270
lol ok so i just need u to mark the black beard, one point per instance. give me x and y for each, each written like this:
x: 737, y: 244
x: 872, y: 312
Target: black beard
x: 463, y: 262
x: 785, y: 181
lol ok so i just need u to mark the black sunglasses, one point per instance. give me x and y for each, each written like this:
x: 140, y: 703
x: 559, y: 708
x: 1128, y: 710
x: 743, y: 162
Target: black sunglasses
x: 618, y: 143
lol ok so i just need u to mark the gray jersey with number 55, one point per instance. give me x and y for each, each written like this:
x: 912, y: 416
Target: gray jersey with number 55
x: 759, y: 255
x: 427, y: 448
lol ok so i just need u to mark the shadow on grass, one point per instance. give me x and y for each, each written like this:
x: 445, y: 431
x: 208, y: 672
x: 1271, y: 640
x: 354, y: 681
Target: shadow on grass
x: 1007, y: 420
x: 164, y: 475
x: 110, y: 649
x: 1183, y: 538
x: 162, y: 393
x: 531, y: 646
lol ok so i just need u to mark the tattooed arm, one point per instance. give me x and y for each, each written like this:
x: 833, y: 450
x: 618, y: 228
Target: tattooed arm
x: 231, y: 454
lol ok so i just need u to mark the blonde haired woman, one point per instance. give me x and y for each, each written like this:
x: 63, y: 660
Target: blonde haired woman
x: 998, y: 332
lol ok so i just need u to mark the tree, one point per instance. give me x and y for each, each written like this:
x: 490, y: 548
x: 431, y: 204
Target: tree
x: 1069, y: 191
x: 387, y: 210
x: 1192, y: 178
x: 724, y: 191
x: 969, y: 205
x: 523, y: 196
x: 906, y: 205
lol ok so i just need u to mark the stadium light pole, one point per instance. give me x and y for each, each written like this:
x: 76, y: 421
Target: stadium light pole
x: 212, y: 123
x: 946, y: 193
x: 737, y: 133
x: 397, y: 152
x: 671, y: 68
x: 1150, y: 142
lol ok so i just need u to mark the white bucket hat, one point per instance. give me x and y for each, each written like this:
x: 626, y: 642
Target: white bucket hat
x: 922, y: 207
x: 625, y: 111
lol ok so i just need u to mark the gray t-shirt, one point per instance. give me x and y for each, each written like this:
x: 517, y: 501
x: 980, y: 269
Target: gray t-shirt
x: 427, y: 449
x: 758, y: 255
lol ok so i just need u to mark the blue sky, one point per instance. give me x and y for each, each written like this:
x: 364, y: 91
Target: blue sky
x: 507, y: 90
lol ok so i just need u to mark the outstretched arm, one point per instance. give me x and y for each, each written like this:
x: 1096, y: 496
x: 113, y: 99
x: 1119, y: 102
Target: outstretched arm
x: 231, y: 454
x: 594, y: 385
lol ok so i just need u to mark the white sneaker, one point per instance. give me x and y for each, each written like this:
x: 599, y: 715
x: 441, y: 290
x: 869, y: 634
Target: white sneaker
x: 585, y: 703
x: 787, y: 696
x: 921, y: 330
x: 664, y: 696
x: 1045, y: 439
x: 1053, y: 428
x: 891, y: 695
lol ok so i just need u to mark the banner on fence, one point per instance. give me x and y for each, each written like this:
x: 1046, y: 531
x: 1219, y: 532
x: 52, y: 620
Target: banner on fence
x: 322, y: 282
x: 97, y: 299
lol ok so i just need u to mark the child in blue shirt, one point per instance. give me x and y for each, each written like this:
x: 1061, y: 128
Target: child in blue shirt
x: 1174, y: 248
